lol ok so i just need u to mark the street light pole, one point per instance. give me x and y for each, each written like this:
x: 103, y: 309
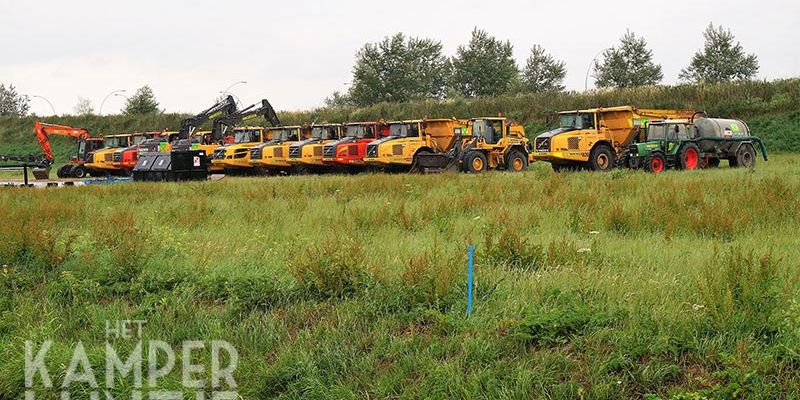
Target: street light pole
x: 106, y: 98
x: 234, y: 96
x: 232, y: 85
x: 594, y: 61
x: 48, y: 102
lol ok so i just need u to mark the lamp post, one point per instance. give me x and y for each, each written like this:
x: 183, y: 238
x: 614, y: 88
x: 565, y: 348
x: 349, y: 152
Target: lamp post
x: 594, y: 61
x: 48, y: 102
x: 106, y: 98
x: 234, y: 96
x: 232, y: 85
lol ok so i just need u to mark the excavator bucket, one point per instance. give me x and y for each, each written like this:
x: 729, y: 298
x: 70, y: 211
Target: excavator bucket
x: 41, y: 173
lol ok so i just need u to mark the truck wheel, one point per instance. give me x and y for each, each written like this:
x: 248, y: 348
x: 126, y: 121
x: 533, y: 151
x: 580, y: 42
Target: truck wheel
x: 475, y: 162
x: 655, y: 163
x: 601, y: 158
x: 516, y: 161
x: 78, y: 171
x: 689, y: 156
x: 746, y: 156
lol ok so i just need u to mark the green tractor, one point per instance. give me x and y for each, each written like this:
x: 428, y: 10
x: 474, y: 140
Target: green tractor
x: 694, y: 143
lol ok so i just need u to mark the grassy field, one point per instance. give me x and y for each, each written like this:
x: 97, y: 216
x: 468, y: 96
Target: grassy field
x: 588, y: 285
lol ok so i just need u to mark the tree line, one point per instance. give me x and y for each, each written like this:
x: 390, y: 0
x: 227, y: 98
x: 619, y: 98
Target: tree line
x: 401, y: 69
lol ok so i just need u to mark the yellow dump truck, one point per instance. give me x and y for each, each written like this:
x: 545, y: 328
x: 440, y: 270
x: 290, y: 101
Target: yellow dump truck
x: 594, y: 138
x: 236, y: 156
x: 273, y: 156
x: 101, y: 161
x: 407, y: 139
x: 308, y: 153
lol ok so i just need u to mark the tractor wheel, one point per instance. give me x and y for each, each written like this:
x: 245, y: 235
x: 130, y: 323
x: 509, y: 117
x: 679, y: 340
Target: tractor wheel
x: 516, y: 161
x: 602, y: 158
x: 77, y: 171
x: 710, y: 162
x: 475, y: 162
x: 689, y: 156
x: 746, y: 156
x: 655, y: 163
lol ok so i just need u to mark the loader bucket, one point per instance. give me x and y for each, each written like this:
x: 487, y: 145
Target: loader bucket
x: 435, y: 162
x: 41, y: 173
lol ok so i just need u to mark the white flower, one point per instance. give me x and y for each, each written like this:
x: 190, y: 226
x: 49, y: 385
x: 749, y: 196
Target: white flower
x: 594, y: 232
x: 476, y: 218
x: 584, y: 250
x: 697, y: 307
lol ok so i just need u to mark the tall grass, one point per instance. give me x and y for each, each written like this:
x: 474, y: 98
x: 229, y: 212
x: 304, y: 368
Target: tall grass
x: 621, y: 285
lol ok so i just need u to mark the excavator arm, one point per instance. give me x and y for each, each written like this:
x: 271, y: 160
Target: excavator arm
x: 225, y: 107
x: 44, y: 130
x: 221, y: 124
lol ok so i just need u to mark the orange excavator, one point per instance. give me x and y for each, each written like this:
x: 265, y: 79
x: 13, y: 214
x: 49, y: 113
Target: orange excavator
x: 75, y: 168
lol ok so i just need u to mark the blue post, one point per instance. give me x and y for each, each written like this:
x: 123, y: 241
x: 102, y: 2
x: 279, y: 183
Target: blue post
x: 469, y: 281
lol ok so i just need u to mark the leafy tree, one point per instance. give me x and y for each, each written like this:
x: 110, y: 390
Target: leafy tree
x: 485, y: 67
x: 397, y: 69
x: 13, y: 103
x: 720, y: 60
x: 629, y: 65
x: 338, y: 99
x: 84, y: 107
x: 542, y: 73
x: 142, y: 102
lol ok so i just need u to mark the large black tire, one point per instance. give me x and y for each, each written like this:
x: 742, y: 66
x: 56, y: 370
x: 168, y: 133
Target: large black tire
x: 689, y: 156
x: 655, y: 163
x: 602, y: 158
x: 63, y: 171
x: 746, y: 156
x: 475, y: 162
x: 516, y: 161
x: 77, y: 171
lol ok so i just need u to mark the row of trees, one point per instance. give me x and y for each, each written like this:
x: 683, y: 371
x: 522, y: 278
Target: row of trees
x: 13, y: 103
x: 402, y: 69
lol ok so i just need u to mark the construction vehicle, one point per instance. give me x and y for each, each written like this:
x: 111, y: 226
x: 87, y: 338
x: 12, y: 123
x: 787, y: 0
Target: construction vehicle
x: 235, y: 156
x: 489, y: 143
x: 273, y: 156
x: 307, y: 154
x: 407, y: 139
x: 595, y: 138
x: 352, y: 147
x: 694, y: 143
x: 125, y: 159
x: 192, y: 148
x: 101, y: 161
x: 75, y: 168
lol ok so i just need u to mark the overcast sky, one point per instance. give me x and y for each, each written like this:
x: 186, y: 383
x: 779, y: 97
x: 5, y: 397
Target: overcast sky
x: 295, y: 53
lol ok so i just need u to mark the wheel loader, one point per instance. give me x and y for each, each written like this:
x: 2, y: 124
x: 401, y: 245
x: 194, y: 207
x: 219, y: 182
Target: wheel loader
x: 307, y: 154
x: 273, y: 156
x: 408, y: 139
x: 489, y: 143
x: 595, y: 138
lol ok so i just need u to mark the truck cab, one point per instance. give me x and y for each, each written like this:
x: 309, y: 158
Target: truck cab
x: 126, y: 158
x: 273, y: 155
x: 309, y: 152
x: 102, y: 160
x: 352, y: 147
x: 408, y: 138
x: 236, y: 155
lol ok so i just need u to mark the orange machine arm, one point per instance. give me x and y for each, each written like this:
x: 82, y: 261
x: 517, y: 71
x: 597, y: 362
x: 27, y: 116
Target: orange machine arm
x: 43, y: 130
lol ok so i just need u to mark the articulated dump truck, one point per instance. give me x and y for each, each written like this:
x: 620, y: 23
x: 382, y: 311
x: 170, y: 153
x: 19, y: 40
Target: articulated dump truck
x: 308, y: 154
x: 408, y: 139
x: 595, y: 138
x: 273, y: 156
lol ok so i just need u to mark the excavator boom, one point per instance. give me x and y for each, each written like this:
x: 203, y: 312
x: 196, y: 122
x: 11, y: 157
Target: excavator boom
x: 221, y: 124
x: 225, y: 107
x: 44, y: 130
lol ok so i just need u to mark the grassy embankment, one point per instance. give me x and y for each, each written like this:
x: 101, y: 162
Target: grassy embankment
x: 587, y: 285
